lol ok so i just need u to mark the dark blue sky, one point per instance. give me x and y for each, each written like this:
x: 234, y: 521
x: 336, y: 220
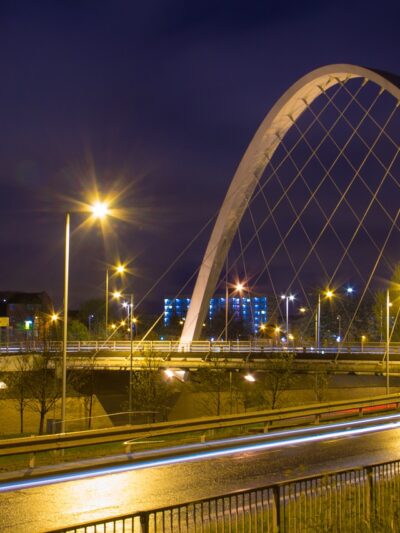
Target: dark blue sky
x: 161, y: 97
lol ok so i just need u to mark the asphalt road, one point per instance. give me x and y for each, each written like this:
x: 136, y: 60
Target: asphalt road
x: 43, y: 508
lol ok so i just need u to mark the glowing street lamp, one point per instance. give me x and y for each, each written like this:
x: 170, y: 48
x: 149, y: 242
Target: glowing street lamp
x: 287, y: 298
x: 99, y: 211
x: 119, y: 269
x: 131, y: 320
x: 250, y: 377
x: 388, y: 305
x: 363, y: 339
x: 328, y: 294
x: 239, y: 287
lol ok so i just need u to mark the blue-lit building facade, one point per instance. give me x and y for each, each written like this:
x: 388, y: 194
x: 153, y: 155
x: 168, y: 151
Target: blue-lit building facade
x: 251, y: 310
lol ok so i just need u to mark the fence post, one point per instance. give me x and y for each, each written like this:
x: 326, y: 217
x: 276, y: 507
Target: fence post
x: 32, y: 458
x: 144, y: 523
x: 276, y: 510
x: 370, y: 503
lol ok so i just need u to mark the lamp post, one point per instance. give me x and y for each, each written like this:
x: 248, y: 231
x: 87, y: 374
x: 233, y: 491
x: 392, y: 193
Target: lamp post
x: 120, y: 269
x: 287, y: 298
x: 99, y: 210
x: 363, y: 339
x: 339, y: 319
x: 130, y: 359
x: 387, y: 341
x: 65, y: 328
x: 328, y: 294
x: 131, y: 321
x: 239, y: 287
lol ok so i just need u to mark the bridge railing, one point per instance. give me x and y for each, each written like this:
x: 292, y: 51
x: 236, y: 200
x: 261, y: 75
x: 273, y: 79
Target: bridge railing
x: 356, y: 499
x: 213, y: 347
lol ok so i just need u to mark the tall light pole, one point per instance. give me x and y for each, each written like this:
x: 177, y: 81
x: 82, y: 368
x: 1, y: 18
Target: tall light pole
x: 130, y: 322
x: 318, y: 323
x: 339, y: 319
x: 99, y: 210
x: 120, y: 269
x: 130, y: 359
x: 287, y: 298
x: 328, y: 294
x: 65, y: 328
x: 387, y: 341
x: 239, y: 287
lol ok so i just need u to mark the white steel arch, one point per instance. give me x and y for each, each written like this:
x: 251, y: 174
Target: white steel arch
x: 261, y: 149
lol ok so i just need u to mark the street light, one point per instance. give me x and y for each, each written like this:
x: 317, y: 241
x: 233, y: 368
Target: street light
x: 328, y: 294
x: 363, y: 339
x: 388, y: 305
x: 99, y: 211
x: 287, y: 298
x: 239, y: 287
x: 131, y: 321
x: 119, y: 269
x: 339, y: 319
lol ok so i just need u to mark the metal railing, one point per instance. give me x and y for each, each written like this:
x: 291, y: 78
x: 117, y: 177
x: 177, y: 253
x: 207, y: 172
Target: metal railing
x: 253, y: 346
x: 360, y: 499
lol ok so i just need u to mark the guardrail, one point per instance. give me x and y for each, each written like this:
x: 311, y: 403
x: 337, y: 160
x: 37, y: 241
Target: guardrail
x: 44, y: 443
x: 217, y: 347
x: 358, y: 499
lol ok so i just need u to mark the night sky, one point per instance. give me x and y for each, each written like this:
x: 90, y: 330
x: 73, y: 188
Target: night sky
x: 156, y: 100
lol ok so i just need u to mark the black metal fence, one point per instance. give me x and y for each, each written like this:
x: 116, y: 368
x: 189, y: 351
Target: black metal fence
x: 363, y: 499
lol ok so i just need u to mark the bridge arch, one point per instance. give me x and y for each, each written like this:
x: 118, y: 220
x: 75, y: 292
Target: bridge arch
x: 260, y: 150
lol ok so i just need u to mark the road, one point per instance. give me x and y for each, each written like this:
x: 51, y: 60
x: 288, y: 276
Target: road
x: 43, y: 508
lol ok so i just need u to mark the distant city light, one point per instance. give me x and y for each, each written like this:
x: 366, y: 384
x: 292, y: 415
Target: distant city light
x: 249, y: 377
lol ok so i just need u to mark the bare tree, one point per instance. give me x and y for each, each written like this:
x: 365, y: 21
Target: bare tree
x: 277, y: 376
x: 43, y: 387
x: 150, y: 391
x: 320, y: 385
x: 17, y: 386
x: 215, y: 380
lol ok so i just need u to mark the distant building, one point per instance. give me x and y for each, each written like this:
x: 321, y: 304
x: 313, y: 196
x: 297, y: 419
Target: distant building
x: 25, y: 310
x: 252, y: 310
